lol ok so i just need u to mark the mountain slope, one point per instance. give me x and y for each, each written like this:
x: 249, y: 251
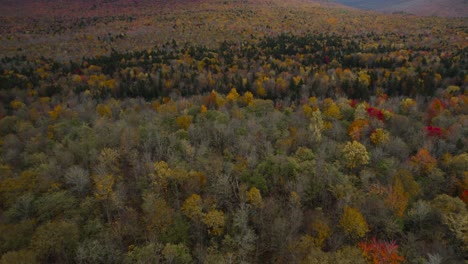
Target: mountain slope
x: 446, y: 8
x: 86, y: 28
x: 449, y: 8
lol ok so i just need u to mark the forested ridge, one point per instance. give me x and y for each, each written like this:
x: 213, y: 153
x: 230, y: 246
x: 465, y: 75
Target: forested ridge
x: 308, y: 146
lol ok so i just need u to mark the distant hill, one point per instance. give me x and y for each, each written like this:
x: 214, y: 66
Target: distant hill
x: 444, y: 8
x: 87, y: 28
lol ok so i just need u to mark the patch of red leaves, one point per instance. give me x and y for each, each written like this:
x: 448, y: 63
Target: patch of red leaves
x: 433, y: 131
x: 380, y: 252
x: 374, y: 112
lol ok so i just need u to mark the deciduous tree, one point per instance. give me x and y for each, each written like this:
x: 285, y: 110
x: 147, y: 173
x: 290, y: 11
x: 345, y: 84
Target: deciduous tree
x: 355, y: 154
x: 378, y: 252
x: 353, y: 223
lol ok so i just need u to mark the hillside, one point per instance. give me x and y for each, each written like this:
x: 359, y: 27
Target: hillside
x: 443, y: 8
x: 447, y: 8
x: 85, y: 28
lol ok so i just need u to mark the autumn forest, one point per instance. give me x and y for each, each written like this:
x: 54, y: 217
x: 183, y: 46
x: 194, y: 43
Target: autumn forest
x: 231, y: 132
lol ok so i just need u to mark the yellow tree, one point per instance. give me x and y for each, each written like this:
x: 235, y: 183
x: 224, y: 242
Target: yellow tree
x: 104, y: 111
x: 331, y: 109
x: 161, y: 175
x: 247, y: 98
x: 380, y: 136
x: 316, y: 125
x: 184, y: 121
x: 54, y: 114
x: 193, y: 207
x: 203, y: 109
x: 353, y: 223
x: 321, y: 232
x: 254, y: 197
x: 232, y: 96
x: 407, y: 105
x: 103, y: 186
x: 214, y: 220
x: 397, y: 198
x: 260, y: 88
x: 355, y: 154
x: 17, y: 104
x: 307, y: 110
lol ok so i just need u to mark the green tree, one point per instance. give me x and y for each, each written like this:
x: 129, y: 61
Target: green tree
x: 149, y: 253
x: 23, y: 256
x: 52, y: 205
x: 55, y: 241
x: 178, y: 254
x: 16, y: 236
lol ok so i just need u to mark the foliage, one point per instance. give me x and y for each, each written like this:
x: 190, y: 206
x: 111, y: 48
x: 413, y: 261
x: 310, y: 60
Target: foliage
x: 357, y: 128
x: 353, y: 223
x: 78, y: 179
x: 146, y: 254
x: 103, y: 186
x: 254, y: 197
x: 23, y: 256
x: 423, y: 162
x: 433, y: 131
x: 15, y: 236
x: 316, y: 125
x: 380, y: 136
x: 159, y: 216
x: 231, y: 132
x: 55, y: 240
x: 104, y: 111
x: 331, y: 110
x: 322, y: 232
x: 355, y: 154
x: 346, y: 255
x: 184, y: 121
x: 214, y: 220
x: 455, y: 215
x: 176, y: 254
x: 381, y: 252
x: 192, y: 207
x: 397, y: 198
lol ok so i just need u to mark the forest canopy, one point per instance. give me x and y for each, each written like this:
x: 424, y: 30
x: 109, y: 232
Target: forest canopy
x: 326, y: 144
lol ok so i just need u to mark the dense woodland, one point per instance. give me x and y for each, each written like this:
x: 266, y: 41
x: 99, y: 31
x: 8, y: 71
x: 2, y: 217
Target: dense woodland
x: 319, y: 147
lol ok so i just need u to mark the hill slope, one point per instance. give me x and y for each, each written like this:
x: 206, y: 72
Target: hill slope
x: 85, y: 28
x: 446, y: 8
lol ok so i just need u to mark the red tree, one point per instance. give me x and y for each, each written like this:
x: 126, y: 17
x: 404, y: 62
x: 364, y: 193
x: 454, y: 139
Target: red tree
x: 381, y: 252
